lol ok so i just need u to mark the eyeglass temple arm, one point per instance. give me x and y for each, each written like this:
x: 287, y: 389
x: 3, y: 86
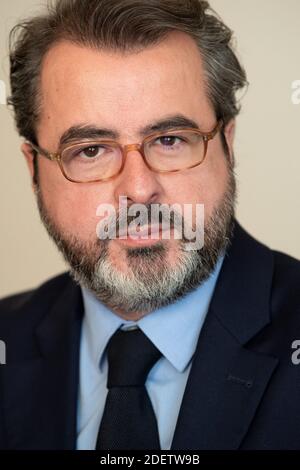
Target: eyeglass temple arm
x: 218, y: 127
x: 41, y: 151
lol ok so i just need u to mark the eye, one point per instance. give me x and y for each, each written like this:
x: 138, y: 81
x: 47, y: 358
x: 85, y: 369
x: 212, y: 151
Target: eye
x: 168, y: 140
x: 91, y: 152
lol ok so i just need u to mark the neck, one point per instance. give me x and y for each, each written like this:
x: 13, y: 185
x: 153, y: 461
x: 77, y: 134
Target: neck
x: 130, y: 316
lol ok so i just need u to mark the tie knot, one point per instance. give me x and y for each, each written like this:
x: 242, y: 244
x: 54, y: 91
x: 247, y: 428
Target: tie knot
x: 131, y: 356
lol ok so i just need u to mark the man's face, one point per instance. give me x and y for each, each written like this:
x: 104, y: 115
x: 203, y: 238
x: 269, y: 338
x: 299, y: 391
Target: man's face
x: 126, y: 93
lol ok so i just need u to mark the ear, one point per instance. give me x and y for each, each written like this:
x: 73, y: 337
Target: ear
x: 229, y: 133
x: 28, y: 153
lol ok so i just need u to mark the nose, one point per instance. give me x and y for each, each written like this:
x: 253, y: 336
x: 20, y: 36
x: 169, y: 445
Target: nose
x: 137, y: 182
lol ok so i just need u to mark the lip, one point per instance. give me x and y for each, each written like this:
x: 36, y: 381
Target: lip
x: 144, y: 232
x: 143, y: 236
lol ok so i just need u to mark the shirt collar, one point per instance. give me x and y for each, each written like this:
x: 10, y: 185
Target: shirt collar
x: 173, y: 329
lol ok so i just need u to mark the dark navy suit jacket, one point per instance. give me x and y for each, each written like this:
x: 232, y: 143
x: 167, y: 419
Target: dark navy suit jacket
x: 243, y: 390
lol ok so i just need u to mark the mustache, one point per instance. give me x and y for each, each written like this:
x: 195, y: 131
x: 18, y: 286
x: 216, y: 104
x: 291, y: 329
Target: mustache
x: 116, y: 224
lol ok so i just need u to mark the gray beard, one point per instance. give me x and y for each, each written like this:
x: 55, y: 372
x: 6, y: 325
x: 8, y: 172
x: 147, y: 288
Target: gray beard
x: 150, y: 282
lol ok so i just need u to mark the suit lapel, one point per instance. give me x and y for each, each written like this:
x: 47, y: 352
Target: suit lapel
x: 227, y: 379
x: 40, y: 395
x: 224, y: 389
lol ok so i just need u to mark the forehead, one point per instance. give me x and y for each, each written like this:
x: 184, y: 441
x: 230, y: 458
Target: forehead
x: 80, y: 84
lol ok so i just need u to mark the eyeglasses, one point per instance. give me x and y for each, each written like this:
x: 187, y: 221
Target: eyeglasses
x: 91, y: 161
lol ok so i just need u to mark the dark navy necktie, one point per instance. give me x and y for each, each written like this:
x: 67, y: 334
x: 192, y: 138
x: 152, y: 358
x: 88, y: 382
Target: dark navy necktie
x: 128, y: 421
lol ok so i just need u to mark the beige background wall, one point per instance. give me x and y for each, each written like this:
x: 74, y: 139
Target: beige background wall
x: 267, y: 142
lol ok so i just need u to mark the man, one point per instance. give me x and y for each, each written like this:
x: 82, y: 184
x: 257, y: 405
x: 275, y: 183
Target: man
x: 148, y: 342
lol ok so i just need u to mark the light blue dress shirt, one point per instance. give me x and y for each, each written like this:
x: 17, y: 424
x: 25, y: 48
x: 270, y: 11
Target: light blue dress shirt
x: 173, y: 329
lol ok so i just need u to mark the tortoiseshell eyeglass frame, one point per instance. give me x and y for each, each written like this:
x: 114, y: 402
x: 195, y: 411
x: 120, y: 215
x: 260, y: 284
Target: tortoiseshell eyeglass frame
x: 207, y: 136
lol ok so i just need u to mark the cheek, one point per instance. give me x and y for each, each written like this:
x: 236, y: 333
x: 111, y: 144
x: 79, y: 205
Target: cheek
x: 204, y: 185
x: 71, y: 206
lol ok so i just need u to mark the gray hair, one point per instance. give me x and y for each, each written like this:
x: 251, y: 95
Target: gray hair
x: 122, y: 25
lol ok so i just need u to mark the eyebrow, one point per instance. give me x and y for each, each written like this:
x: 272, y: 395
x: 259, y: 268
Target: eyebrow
x: 86, y: 131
